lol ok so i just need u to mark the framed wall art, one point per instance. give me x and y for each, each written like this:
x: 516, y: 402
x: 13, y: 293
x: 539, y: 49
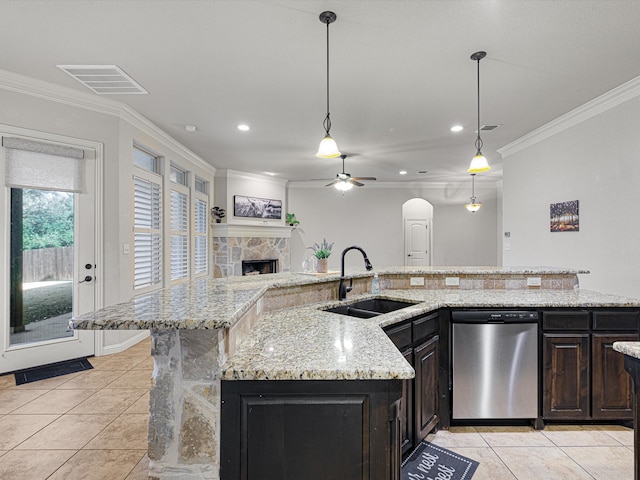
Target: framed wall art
x: 254, y: 207
x: 564, y: 217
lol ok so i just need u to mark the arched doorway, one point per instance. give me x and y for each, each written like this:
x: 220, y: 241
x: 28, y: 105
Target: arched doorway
x: 417, y: 216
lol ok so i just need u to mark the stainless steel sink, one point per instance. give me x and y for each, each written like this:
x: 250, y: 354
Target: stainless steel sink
x: 369, y: 308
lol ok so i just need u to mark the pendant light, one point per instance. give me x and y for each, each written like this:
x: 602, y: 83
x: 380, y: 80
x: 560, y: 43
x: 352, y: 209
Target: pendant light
x: 479, y: 163
x: 328, y: 147
x: 473, y: 206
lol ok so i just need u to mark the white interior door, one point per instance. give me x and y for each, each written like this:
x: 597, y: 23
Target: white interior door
x: 43, y: 286
x: 417, y: 240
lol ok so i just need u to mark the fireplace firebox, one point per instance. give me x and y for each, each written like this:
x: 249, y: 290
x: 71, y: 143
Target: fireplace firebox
x: 257, y: 267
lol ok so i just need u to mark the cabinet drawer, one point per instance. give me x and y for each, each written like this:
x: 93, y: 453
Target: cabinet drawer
x: 565, y: 320
x: 400, y: 335
x: 425, y: 327
x: 616, y: 320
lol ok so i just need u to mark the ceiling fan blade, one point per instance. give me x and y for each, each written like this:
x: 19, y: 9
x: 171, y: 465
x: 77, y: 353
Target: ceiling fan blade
x: 321, y: 179
x: 332, y: 183
x: 373, y: 179
x: 354, y: 182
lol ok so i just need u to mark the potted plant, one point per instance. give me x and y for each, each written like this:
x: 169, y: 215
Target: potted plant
x: 291, y: 220
x: 322, y: 252
x: 219, y: 213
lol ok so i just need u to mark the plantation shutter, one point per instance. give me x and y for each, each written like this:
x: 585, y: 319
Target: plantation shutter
x: 179, y: 235
x: 43, y: 166
x: 147, y: 232
x: 200, y: 249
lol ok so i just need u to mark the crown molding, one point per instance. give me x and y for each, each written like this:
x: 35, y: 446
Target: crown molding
x: 619, y: 95
x: 251, y: 176
x: 67, y: 96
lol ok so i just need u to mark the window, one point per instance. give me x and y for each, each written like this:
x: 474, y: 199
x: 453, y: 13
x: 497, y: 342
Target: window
x: 200, y: 235
x: 147, y: 221
x: 179, y: 235
x: 145, y: 160
x: 177, y: 175
x: 201, y: 186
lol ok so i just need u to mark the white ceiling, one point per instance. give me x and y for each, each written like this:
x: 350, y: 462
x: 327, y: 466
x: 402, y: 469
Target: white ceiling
x: 400, y: 73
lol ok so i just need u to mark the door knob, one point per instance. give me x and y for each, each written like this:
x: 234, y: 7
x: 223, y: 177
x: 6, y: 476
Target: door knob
x: 88, y: 278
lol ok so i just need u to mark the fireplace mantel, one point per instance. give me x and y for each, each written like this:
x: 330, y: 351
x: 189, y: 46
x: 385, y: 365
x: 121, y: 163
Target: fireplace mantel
x: 226, y: 230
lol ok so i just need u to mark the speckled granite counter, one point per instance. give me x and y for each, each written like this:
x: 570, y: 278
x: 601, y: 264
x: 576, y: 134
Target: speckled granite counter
x: 631, y: 349
x: 218, y: 303
x: 309, y: 343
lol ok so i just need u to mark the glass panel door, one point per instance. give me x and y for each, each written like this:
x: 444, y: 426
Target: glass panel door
x: 48, y: 272
x: 41, y: 259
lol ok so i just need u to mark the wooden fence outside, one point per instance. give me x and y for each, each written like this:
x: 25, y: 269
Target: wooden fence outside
x: 45, y: 264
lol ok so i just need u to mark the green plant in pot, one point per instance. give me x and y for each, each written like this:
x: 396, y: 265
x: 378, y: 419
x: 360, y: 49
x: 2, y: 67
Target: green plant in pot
x: 322, y: 252
x: 291, y: 220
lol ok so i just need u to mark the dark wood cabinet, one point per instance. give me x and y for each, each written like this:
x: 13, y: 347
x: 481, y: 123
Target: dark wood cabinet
x: 583, y: 377
x: 566, y: 376
x: 286, y: 430
x: 426, y: 387
x: 612, y: 389
x: 418, y: 340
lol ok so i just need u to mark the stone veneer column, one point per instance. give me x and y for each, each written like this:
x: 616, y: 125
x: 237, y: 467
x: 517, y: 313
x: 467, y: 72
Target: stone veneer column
x: 184, y: 425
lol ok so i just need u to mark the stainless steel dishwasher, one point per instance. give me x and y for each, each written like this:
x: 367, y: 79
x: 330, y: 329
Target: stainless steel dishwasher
x: 494, y: 364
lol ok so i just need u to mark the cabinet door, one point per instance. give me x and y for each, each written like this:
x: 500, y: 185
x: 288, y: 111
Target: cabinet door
x: 566, y: 376
x: 612, y: 393
x: 406, y: 408
x: 425, y: 403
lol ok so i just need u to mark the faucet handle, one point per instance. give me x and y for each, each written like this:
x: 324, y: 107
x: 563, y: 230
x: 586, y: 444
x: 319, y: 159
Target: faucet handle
x: 350, y: 287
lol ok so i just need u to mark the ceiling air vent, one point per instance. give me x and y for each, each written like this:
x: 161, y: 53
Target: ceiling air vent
x: 488, y: 128
x: 104, y: 79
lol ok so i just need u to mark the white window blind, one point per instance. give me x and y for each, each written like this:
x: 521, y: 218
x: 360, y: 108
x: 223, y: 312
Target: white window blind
x: 200, y: 234
x: 147, y: 232
x: 43, y: 166
x: 179, y: 235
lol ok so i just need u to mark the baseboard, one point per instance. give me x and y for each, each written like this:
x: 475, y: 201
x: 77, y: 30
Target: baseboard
x: 121, y: 347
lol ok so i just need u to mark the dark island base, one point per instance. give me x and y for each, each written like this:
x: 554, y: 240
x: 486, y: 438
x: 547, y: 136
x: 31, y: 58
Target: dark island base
x: 632, y: 365
x: 286, y: 430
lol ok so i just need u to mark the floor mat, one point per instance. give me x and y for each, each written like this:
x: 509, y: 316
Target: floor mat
x: 431, y: 461
x: 52, y: 370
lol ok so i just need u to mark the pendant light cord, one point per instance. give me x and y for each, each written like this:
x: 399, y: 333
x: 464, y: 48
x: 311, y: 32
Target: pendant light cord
x: 327, y: 119
x: 478, y: 139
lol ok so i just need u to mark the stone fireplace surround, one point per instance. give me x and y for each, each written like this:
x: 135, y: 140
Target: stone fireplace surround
x: 231, y: 244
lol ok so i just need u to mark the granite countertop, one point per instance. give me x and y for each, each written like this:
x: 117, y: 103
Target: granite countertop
x: 218, y: 303
x: 628, y: 348
x: 309, y: 343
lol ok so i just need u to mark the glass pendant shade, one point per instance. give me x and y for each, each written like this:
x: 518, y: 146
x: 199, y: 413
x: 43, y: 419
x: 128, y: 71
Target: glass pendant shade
x: 344, y: 186
x: 479, y: 164
x: 328, y: 148
x: 473, y: 206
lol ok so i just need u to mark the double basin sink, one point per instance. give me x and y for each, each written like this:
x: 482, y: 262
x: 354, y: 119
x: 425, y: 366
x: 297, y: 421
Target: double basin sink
x: 370, y: 308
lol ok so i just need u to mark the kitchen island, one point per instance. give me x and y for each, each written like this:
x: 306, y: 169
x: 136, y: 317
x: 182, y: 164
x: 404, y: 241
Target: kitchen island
x: 631, y: 351
x: 272, y: 327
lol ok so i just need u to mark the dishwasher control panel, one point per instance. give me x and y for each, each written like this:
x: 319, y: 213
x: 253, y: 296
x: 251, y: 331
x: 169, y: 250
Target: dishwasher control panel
x: 490, y: 316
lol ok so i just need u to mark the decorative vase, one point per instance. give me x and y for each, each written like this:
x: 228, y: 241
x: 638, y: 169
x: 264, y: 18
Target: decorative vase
x: 218, y: 220
x: 323, y: 265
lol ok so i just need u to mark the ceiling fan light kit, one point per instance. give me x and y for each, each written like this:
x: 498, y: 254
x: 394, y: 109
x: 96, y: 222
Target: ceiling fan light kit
x: 479, y: 162
x: 328, y: 147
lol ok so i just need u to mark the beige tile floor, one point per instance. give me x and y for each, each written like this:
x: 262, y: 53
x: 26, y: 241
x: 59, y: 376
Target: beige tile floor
x: 93, y: 426
x: 85, y: 426
x: 562, y: 452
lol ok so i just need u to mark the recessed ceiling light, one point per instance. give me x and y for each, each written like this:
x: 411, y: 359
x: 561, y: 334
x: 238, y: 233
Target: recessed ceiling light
x: 457, y: 128
x: 270, y: 173
x: 244, y: 127
x: 402, y: 172
x: 190, y: 128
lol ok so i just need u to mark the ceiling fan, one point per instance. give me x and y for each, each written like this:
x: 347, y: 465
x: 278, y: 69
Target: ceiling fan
x: 344, y: 181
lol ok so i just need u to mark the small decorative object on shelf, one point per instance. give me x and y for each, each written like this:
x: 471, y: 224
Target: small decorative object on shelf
x: 322, y: 253
x: 218, y: 213
x: 291, y: 220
